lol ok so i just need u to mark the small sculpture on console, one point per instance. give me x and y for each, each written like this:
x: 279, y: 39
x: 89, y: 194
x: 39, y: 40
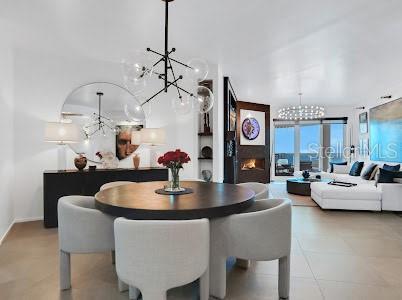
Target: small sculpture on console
x: 207, y: 128
x: 306, y: 174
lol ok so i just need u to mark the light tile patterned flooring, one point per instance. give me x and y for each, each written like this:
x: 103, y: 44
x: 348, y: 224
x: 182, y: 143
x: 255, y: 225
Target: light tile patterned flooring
x: 336, y: 255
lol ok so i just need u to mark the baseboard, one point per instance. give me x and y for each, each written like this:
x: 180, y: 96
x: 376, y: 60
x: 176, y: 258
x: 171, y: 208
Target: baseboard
x: 6, y: 233
x: 30, y: 219
x: 21, y: 220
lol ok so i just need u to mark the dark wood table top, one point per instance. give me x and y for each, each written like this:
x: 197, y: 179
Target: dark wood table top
x: 209, y: 200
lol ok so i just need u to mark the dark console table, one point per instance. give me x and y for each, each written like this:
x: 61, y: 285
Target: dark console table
x: 57, y: 184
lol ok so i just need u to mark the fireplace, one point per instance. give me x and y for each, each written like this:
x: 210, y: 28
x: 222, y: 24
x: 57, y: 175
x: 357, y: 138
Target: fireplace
x: 252, y: 164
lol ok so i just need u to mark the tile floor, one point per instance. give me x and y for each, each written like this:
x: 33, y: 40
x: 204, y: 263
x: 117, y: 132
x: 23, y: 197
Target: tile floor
x: 335, y: 255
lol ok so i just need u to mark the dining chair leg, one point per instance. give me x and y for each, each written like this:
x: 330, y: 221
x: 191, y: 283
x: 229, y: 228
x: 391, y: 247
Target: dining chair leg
x: 284, y: 277
x: 242, y: 263
x: 113, y: 257
x: 204, y: 286
x: 217, y: 271
x: 133, y: 293
x: 153, y: 295
x: 122, y: 285
x: 65, y: 270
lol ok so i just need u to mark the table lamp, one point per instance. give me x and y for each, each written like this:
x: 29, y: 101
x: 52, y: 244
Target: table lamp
x: 62, y: 133
x: 152, y: 137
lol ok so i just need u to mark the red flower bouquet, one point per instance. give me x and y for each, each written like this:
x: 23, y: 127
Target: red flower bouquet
x: 174, y: 160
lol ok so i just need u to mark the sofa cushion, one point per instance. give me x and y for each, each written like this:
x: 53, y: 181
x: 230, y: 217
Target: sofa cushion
x: 394, y: 168
x: 352, y: 179
x: 344, y: 163
x: 366, y: 174
x: 386, y: 176
x: 356, y: 168
x: 340, y: 169
x: 359, y: 192
x: 374, y: 173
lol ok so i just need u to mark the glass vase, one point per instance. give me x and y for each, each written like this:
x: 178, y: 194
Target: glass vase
x: 175, y: 180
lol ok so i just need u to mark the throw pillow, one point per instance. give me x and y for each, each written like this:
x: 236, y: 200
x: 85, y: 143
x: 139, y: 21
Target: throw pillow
x: 374, y: 173
x: 341, y: 169
x: 356, y: 168
x: 388, y: 176
x: 344, y: 163
x: 391, y: 168
x: 368, y: 171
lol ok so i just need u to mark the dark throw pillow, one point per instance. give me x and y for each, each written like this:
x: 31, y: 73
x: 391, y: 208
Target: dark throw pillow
x: 386, y: 176
x: 356, y: 168
x: 391, y: 168
x: 368, y: 171
x: 344, y: 163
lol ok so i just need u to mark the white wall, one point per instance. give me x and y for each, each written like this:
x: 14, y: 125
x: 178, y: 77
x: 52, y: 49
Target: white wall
x: 6, y: 128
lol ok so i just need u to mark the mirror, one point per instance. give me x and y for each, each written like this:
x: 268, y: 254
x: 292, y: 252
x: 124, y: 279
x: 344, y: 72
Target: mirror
x: 107, y: 114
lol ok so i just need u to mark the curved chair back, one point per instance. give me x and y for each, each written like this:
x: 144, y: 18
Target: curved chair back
x: 261, y: 233
x: 114, y: 184
x: 82, y: 228
x: 155, y: 256
x: 260, y: 189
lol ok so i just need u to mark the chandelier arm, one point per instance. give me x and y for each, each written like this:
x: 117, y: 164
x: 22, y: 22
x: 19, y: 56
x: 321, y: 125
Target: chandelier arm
x: 183, y: 90
x: 108, y: 126
x: 174, y: 84
x: 172, y: 59
x: 174, y: 77
x: 162, y: 58
x: 105, y: 118
x: 169, y: 84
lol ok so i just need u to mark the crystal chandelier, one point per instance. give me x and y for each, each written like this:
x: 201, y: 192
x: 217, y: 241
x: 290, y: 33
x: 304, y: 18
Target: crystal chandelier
x: 301, y: 112
x: 138, y: 68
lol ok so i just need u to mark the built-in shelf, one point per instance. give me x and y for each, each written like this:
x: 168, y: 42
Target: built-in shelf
x: 205, y: 158
x: 205, y: 134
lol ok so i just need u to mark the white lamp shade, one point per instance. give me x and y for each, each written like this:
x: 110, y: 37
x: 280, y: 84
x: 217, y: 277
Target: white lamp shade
x: 62, y: 133
x: 153, y: 136
x: 136, y: 137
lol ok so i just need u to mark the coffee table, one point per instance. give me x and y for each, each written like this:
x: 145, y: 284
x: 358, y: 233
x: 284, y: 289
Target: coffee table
x: 301, y: 186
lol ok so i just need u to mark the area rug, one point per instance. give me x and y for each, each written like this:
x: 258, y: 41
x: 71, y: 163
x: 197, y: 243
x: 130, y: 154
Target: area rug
x: 278, y: 190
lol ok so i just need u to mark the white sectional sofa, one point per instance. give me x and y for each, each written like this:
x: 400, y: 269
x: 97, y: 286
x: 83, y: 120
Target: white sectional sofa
x: 364, y: 196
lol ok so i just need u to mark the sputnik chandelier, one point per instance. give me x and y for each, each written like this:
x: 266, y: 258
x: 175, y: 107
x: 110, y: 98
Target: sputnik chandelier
x: 99, y: 124
x: 138, y: 69
x: 301, y: 112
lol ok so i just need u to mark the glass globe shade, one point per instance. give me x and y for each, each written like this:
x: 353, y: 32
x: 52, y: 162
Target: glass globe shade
x: 137, y: 68
x: 182, y: 106
x: 203, y: 99
x: 198, y: 70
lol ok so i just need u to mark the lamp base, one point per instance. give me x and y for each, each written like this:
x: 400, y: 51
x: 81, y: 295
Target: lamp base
x: 61, y: 157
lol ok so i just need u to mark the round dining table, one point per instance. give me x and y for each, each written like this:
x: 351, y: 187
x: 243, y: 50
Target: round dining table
x: 139, y: 201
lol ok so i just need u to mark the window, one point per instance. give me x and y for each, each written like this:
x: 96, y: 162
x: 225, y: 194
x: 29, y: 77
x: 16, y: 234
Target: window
x: 308, y: 145
x: 336, y: 142
x: 284, y: 150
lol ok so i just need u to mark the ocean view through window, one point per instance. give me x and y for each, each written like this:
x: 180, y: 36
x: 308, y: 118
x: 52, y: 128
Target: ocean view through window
x: 309, y: 146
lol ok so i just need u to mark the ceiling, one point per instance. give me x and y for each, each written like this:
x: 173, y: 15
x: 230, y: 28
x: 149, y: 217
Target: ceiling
x: 339, y: 52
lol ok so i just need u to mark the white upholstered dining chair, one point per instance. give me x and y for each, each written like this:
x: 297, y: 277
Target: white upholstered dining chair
x: 82, y: 229
x: 260, y: 189
x: 163, y: 255
x: 114, y: 184
x: 262, y: 233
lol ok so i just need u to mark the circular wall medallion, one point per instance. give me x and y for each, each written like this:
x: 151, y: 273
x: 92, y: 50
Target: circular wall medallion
x: 250, y: 128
